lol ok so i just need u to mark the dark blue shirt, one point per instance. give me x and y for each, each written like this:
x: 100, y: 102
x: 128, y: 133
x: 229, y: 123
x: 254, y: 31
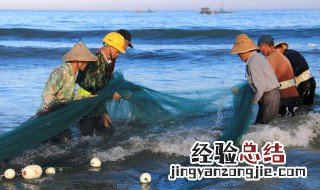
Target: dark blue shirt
x: 298, y: 62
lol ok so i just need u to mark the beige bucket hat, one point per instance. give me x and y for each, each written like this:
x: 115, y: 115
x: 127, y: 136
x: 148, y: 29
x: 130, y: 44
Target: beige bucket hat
x: 243, y: 44
x: 79, y: 52
x: 283, y: 44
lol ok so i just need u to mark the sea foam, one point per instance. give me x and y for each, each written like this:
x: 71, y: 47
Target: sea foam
x: 171, y: 143
x: 299, y: 131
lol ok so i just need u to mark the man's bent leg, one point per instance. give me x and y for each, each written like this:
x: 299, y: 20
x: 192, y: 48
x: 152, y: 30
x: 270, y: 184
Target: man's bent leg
x: 269, y: 106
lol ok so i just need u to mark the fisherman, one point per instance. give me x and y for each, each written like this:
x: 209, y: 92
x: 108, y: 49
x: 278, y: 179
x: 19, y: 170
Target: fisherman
x: 289, y: 96
x: 261, y: 78
x: 96, y: 76
x: 303, y: 78
x: 60, y: 86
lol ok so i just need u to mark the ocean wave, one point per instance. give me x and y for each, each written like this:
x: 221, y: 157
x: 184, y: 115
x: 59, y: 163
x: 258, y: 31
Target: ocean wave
x: 28, y: 33
x: 298, y: 131
x: 153, y: 34
x: 54, y: 50
x: 31, y: 52
x: 176, y: 143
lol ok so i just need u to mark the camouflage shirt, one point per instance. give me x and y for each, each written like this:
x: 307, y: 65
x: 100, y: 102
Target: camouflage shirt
x: 60, y: 86
x: 96, y: 75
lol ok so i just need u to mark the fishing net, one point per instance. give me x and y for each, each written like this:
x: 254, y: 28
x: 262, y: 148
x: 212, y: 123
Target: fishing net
x: 54, y: 154
x: 241, y: 112
x: 138, y: 104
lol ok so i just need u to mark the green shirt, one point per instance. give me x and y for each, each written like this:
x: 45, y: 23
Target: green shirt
x: 96, y: 75
x: 60, y: 86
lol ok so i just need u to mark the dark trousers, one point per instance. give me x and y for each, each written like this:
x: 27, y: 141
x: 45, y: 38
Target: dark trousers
x: 93, y: 123
x: 306, y: 90
x: 288, y: 106
x: 268, y: 106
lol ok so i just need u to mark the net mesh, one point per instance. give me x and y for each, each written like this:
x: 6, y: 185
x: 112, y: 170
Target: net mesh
x: 241, y: 113
x: 139, y: 104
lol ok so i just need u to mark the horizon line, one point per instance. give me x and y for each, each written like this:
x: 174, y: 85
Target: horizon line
x: 158, y: 10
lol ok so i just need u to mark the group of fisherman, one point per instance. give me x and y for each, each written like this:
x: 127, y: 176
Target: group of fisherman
x: 280, y: 78
x: 82, y: 75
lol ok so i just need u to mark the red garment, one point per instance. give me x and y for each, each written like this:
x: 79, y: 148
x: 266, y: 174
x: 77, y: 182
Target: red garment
x: 283, y: 70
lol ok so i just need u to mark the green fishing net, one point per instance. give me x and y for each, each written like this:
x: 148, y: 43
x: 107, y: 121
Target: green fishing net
x: 138, y: 104
x: 241, y: 113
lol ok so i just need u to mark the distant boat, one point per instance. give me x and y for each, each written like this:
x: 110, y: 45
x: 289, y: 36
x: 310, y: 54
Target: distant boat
x: 206, y: 10
x: 221, y: 10
x: 147, y: 11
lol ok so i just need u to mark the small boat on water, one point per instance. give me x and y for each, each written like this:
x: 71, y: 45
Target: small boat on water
x: 205, y: 10
x: 208, y: 11
x: 147, y: 11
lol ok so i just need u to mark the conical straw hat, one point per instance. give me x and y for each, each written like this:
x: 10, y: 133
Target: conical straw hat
x: 79, y: 52
x: 283, y: 44
x: 243, y: 44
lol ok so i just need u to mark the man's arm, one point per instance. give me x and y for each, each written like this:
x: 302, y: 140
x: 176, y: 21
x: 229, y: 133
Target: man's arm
x: 257, y: 80
x: 53, y: 85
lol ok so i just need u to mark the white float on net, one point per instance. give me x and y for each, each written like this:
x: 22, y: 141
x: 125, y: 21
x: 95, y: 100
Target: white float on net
x: 50, y: 171
x: 95, y: 162
x: 145, y: 178
x: 9, y: 174
x: 32, y: 172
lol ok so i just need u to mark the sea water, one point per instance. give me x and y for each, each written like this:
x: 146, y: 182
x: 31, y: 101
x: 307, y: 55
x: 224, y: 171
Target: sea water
x: 174, y: 52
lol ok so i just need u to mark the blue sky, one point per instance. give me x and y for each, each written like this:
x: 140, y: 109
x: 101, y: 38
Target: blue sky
x: 117, y: 5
